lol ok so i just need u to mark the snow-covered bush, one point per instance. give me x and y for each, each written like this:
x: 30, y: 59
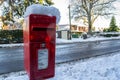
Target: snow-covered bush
x: 45, y: 10
x: 11, y: 36
x: 84, y: 35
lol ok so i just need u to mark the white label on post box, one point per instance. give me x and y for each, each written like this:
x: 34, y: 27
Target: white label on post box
x: 42, y: 59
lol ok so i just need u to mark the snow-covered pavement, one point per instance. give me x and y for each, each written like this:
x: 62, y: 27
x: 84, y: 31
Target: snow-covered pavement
x: 62, y: 41
x: 97, y: 68
x: 99, y: 38
x: 106, y: 67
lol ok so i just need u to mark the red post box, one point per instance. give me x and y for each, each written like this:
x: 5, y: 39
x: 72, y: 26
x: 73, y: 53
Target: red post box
x: 39, y: 46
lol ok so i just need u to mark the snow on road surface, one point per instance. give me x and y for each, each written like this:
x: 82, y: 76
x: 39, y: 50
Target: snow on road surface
x: 105, y: 67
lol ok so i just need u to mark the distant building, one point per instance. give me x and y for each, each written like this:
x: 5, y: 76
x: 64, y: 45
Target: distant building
x: 74, y: 28
x: 63, y: 27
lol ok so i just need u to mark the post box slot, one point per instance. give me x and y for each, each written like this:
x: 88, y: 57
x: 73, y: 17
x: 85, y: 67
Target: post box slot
x: 41, y: 29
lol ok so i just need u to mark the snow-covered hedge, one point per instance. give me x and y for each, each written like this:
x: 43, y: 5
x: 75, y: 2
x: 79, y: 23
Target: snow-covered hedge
x: 11, y: 36
x: 110, y: 34
x: 45, y: 10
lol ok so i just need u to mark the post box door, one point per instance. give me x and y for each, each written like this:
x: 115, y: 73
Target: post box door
x: 43, y: 59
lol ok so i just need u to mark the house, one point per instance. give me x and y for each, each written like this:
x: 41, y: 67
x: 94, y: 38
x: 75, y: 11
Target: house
x: 63, y: 27
x: 74, y: 28
x: 63, y: 31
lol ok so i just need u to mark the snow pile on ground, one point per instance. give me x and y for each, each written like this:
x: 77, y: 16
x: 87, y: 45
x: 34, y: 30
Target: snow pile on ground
x: 98, y: 68
x: 106, y: 67
x: 11, y: 45
x: 58, y: 40
x: 15, y: 76
x: 45, y: 10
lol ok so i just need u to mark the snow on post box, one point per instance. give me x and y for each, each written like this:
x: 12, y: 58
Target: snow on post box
x: 39, y: 46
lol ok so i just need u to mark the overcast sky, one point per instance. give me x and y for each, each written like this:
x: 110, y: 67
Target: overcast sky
x: 62, y: 5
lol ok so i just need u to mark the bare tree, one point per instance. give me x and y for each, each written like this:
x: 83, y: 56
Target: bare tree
x: 90, y: 10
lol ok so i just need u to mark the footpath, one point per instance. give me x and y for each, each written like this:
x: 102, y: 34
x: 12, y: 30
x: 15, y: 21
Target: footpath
x: 64, y: 41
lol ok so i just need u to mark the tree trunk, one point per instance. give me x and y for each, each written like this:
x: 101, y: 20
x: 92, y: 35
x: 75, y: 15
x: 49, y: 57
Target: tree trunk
x: 89, y: 20
x: 89, y: 24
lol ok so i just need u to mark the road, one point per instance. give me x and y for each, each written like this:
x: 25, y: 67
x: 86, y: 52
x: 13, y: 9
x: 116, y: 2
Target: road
x: 11, y: 59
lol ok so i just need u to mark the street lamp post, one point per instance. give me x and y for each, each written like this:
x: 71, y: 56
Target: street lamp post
x: 70, y: 21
